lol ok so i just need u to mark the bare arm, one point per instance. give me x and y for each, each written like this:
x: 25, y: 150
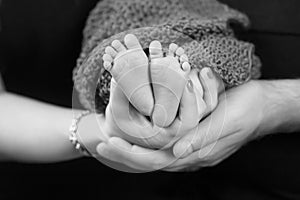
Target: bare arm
x: 257, y: 108
x: 32, y: 131
x: 282, y: 109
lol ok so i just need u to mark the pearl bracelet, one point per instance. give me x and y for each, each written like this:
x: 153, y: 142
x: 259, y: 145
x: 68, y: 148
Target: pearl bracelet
x: 73, y: 134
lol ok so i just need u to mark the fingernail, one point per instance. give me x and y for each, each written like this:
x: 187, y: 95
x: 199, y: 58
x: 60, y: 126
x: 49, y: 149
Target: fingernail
x: 190, y: 86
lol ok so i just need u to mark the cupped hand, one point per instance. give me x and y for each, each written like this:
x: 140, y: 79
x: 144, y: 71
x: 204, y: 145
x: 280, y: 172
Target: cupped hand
x: 143, y: 159
x: 124, y: 121
x: 238, y: 119
x: 199, y: 98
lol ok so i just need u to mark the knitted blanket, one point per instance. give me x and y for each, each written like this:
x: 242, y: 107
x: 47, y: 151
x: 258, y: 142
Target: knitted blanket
x: 201, y: 27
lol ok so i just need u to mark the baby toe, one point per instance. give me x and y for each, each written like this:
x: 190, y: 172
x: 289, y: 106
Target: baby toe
x: 107, y: 65
x: 184, y: 58
x: 172, y: 49
x: 119, y: 47
x: 132, y: 42
x: 155, y: 50
x: 179, y: 51
x: 186, y: 67
x: 107, y: 57
x: 111, y: 51
x: 107, y: 61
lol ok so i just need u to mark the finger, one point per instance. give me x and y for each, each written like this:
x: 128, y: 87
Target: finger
x: 111, y: 153
x: 133, y: 126
x: 208, y: 131
x: 221, y: 149
x: 129, y: 121
x: 182, y: 169
x: 198, y: 89
x: 136, y: 157
x: 188, y: 115
x: 203, y: 135
x: 208, y: 156
x: 90, y: 139
x: 212, y: 86
x: 118, y: 108
x: 118, y: 99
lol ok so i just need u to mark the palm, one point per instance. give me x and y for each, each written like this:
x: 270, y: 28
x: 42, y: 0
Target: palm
x: 234, y: 122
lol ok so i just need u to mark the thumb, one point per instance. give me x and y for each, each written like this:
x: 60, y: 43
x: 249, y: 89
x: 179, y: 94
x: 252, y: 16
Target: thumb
x: 214, y: 127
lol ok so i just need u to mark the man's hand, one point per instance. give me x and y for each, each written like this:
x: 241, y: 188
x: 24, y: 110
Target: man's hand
x: 239, y: 118
x: 236, y: 120
x: 244, y: 113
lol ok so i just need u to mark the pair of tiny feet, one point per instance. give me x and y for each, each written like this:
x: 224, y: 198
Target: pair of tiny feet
x: 138, y: 76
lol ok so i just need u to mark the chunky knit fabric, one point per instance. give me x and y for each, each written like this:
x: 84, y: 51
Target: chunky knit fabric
x: 199, y: 26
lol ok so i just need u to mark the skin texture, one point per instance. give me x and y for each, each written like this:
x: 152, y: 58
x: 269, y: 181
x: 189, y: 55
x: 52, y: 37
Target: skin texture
x: 253, y: 110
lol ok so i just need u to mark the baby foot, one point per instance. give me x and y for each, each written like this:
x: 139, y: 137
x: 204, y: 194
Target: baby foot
x: 169, y: 78
x: 128, y: 65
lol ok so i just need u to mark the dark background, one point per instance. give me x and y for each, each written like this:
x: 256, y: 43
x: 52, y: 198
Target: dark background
x: 39, y: 43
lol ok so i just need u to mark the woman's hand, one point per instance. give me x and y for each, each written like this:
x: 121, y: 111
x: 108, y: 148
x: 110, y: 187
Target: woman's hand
x: 244, y: 113
x: 122, y: 120
x: 139, y: 158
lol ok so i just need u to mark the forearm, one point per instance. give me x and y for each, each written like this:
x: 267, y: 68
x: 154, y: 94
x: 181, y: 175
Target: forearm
x: 282, y: 109
x: 32, y: 131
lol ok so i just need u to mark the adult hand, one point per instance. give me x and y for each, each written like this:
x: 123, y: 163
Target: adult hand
x: 122, y: 120
x: 139, y: 158
x: 240, y: 117
x: 252, y: 110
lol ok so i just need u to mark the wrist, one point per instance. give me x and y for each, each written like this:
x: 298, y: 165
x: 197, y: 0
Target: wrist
x: 281, y: 106
x: 63, y: 121
x: 90, y: 131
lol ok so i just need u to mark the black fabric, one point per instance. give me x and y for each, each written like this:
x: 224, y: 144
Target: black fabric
x: 39, y: 43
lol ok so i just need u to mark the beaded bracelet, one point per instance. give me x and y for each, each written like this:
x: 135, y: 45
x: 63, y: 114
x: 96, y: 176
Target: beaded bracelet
x: 73, y: 134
